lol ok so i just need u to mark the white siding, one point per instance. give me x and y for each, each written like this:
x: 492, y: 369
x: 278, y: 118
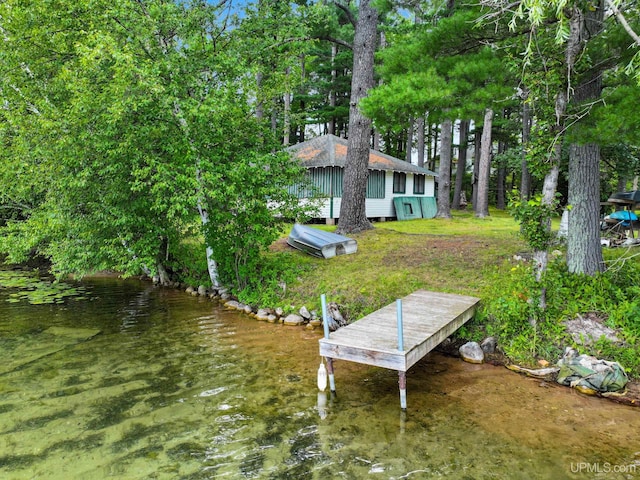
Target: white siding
x: 325, y: 207
x: 381, y: 207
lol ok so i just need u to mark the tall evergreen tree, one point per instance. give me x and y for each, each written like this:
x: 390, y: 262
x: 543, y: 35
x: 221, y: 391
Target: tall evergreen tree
x: 353, y: 215
x: 577, y: 61
x: 444, y: 173
x: 446, y: 70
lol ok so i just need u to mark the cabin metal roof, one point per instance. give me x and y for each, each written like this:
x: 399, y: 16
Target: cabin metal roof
x: 331, y: 151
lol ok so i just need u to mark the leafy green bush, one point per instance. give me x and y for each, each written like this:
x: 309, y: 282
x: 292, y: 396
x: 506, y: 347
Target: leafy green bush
x: 273, y: 273
x: 525, y: 331
x: 188, y: 263
x: 535, y: 219
x: 247, y: 211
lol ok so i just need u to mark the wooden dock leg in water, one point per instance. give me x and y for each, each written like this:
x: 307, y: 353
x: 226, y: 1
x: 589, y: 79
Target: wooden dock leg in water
x: 402, y: 381
x: 422, y: 319
x: 332, y: 380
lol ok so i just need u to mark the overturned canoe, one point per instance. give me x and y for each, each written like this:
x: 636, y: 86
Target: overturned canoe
x: 320, y: 243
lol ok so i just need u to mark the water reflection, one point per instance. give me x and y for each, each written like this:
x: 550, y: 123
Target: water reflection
x: 322, y: 405
x: 174, y: 388
x: 137, y: 309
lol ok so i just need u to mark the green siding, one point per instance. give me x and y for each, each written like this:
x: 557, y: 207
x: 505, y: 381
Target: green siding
x: 326, y: 181
x: 300, y: 191
x: 338, y: 176
x: 376, y: 184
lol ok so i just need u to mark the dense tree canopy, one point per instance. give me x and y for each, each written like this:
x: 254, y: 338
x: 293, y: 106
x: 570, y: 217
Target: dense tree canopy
x: 128, y: 126
x: 128, y: 120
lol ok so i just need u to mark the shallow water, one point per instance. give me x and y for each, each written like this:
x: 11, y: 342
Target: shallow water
x: 174, y: 387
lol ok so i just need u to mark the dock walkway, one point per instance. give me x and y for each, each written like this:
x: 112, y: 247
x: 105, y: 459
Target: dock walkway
x: 427, y: 318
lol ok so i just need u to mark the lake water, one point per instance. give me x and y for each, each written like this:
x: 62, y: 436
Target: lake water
x: 174, y: 387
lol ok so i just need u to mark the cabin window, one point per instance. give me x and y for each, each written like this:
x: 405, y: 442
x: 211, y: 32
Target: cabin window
x: 326, y: 181
x: 418, y: 184
x: 399, y: 182
x: 337, y: 176
x: 375, y: 184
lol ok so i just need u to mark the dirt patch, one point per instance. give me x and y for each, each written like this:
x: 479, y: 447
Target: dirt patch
x: 427, y: 249
x: 280, y: 245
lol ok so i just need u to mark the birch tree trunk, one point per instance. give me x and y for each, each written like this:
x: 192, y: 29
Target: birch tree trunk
x: 353, y: 214
x: 287, y: 113
x: 525, y: 179
x: 212, y: 266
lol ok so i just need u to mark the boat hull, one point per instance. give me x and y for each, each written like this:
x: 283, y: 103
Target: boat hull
x: 319, y: 243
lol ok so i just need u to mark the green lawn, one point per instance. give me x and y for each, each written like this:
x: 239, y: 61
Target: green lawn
x: 397, y: 258
x: 479, y: 257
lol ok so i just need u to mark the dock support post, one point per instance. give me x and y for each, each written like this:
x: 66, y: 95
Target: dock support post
x: 332, y: 380
x: 402, y: 382
x: 325, y: 319
x: 325, y: 323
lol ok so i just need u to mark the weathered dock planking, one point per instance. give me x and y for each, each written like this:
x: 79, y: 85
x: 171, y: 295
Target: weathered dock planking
x: 426, y: 319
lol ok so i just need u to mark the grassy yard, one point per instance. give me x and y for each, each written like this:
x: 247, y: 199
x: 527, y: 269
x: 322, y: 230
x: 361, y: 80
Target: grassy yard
x: 397, y: 258
x: 483, y: 258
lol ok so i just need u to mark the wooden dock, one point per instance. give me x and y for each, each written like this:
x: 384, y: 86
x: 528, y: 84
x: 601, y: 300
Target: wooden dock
x: 396, y: 341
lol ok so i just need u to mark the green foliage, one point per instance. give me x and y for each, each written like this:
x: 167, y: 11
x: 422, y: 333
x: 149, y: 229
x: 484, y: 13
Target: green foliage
x: 121, y: 119
x: 405, y: 96
x: 535, y: 220
x: 526, y: 332
x: 188, y: 262
x: 614, y: 121
x: 444, y: 68
x: 267, y: 286
x: 510, y: 308
x: 553, y: 18
x: 247, y: 212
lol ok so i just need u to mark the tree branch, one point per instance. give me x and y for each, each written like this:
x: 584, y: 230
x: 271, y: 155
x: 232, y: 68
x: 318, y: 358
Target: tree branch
x: 337, y: 41
x: 623, y: 21
x: 347, y: 12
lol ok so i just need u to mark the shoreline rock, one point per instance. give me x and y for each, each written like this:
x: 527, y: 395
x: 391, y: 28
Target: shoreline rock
x: 471, y: 352
x: 302, y: 317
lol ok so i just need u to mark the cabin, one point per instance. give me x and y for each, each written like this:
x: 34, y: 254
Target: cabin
x: 395, y: 189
